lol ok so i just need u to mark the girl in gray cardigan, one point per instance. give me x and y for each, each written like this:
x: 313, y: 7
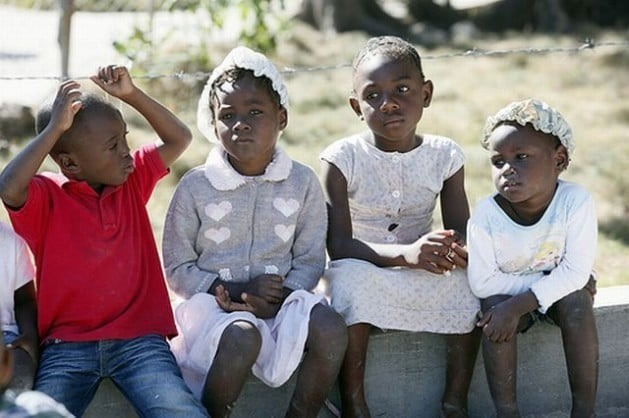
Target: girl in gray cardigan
x: 244, y: 245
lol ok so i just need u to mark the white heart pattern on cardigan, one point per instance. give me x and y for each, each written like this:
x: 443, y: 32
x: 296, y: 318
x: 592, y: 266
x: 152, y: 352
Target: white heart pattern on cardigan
x: 218, y: 235
x: 218, y: 211
x: 286, y: 206
x: 285, y: 232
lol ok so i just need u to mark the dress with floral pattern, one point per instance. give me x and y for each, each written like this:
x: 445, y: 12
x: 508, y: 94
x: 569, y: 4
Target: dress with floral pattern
x: 392, y: 197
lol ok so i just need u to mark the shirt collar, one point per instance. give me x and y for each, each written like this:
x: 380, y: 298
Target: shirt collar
x: 80, y: 186
x: 223, y: 176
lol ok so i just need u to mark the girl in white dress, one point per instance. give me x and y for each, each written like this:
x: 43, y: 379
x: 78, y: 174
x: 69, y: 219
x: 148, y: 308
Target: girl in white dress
x: 389, y: 268
x: 532, y: 247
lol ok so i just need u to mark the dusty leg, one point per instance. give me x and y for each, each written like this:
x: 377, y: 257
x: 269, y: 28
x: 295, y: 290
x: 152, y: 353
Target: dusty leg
x: 325, y: 347
x: 237, y: 351
x: 462, y: 350
x: 24, y: 371
x: 501, y: 366
x: 352, y: 376
x: 575, y: 317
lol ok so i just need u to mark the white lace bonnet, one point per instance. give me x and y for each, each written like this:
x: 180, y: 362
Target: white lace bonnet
x: 538, y: 114
x: 239, y: 57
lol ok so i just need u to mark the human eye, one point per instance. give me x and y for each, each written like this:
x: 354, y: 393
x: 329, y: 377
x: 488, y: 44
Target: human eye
x: 225, y: 116
x: 522, y: 156
x: 371, y: 95
x: 255, y: 112
x: 403, y: 89
x: 497, y: 162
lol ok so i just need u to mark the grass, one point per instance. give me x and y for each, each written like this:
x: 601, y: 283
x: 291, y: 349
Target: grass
x: 591, y: 89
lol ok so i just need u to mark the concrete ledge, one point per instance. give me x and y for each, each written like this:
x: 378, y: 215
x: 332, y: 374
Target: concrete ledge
x: 405, y: 374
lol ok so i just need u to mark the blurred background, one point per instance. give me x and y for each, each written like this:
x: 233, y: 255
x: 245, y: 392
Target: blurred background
x: 480, y: 54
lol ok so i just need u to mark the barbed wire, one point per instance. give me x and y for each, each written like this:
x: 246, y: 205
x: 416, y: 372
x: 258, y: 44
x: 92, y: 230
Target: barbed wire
x: 587, y: 44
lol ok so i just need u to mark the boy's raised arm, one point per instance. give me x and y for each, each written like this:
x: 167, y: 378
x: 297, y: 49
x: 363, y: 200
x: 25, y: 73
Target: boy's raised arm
x: 16, y: 176
x: 175, y: 135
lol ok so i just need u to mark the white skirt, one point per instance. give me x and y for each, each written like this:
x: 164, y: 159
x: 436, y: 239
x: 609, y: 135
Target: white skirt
x: 401, y: 298
x: 201, y: 322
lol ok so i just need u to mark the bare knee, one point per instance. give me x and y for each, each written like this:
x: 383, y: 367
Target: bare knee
x: 574, y: 311
x: 327, y: 333
x: 240, y: 340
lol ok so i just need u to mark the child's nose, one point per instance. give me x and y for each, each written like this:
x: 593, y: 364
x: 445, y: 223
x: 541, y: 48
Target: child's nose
x: 124, y: 148
x: 388, y: 104
x: 241, y: 124
x: 508, y: 170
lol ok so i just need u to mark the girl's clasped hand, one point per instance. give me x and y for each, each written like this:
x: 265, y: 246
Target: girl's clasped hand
x: 438, y: 252
x: 263, y: 297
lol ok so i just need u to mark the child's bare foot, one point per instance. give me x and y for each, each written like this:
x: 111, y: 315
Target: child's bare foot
x: 449, y: 410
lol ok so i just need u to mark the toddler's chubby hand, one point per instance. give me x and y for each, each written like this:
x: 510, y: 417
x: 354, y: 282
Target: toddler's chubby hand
x: 67, y: 103
x: 499, y: 324
x: 115, y: 80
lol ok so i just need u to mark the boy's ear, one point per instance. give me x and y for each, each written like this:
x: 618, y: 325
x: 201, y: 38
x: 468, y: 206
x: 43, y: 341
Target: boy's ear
x: 427, y: 91
x: 67, y: 163
x: 353, y: 102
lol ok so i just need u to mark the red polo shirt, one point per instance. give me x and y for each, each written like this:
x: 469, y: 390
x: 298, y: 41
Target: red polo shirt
x: 99, y: 275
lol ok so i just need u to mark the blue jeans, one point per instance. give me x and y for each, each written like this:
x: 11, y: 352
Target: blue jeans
x: 142, y: 368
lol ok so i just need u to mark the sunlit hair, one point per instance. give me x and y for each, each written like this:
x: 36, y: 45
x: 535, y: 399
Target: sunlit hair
x: 233, y: 75
x: 391, y: 47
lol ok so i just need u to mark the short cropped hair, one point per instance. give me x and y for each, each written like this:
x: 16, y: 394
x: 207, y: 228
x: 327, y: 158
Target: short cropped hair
x: 90, y: 104
x: 392, y: 47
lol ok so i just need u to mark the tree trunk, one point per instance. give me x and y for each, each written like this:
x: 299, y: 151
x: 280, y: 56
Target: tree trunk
x: 349, y: 15
x: 63, y: 34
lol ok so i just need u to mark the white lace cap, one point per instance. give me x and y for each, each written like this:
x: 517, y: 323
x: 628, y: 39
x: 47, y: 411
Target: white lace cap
x: 538, y: 114
x: 239, y: 57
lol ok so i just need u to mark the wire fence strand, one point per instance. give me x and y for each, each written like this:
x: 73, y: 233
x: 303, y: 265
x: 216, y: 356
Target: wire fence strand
x: 587, y: 44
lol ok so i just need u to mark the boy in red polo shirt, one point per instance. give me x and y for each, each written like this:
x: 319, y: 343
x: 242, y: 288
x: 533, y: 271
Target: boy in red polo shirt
x: 103, y: 308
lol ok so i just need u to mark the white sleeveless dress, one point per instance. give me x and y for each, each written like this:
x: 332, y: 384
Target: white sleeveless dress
x: 392, y: 197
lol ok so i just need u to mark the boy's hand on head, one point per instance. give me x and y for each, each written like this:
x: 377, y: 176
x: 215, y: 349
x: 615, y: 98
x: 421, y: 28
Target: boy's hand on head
x: 115, y: 80
x: 269, y: 287
x: 67, y: 103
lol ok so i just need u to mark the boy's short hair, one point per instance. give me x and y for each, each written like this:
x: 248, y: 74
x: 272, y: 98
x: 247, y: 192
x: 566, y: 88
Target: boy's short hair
x: 90, y: 104
x: 392, y: 47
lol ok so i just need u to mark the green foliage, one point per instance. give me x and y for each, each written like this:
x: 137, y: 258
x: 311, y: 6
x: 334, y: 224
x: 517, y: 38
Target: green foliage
x: 261, y: 21
x: 87, y: 5
x: 259, y: 25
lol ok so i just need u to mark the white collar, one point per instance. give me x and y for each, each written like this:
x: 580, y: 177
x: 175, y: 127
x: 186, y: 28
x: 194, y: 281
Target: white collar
x: 223, y: 176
